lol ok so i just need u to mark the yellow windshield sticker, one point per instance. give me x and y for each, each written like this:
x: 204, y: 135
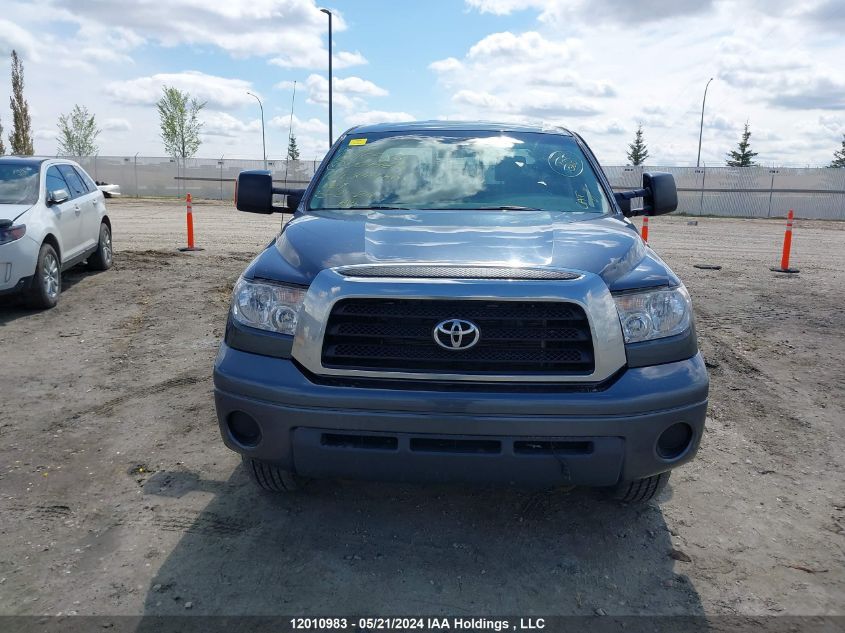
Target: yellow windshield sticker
x: 358, y: 141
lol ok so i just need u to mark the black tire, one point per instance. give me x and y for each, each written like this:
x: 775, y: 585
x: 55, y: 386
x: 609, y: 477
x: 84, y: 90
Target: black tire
x: 640, y: 490
x: 103, y: 257
x: 270, y: 477
x: 47, y: 282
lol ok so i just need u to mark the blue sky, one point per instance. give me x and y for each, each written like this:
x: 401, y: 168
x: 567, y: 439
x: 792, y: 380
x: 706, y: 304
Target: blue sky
x: 599, y: 67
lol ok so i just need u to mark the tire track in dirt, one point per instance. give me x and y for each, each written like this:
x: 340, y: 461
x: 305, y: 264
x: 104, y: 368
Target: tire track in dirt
x: 107, y: 408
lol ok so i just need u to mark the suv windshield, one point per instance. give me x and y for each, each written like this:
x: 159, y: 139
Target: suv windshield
x: 18, y: 183
x: 460, y: 170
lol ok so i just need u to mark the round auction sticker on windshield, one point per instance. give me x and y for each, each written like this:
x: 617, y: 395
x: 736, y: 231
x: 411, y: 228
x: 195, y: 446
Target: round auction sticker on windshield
x: 566, y: 165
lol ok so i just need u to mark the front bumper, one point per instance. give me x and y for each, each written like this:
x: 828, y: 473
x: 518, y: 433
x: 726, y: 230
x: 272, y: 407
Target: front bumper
x: 595, y: 438
x: 17, y: 264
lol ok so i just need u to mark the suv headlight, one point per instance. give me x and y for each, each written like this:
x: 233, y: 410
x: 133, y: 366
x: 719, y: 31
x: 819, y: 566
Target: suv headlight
x: 653, y: 314
x: 267, y: 306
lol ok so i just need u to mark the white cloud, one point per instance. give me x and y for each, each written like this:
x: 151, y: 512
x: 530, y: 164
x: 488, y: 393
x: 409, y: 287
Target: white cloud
x: 521, y: 76
x: 13, y: 36
x: 292, y: 32
x: 316, y: 59
x: 772, y: 60
x: 300, y: 126
x: 217, y: 91
x: 224, y: 124
x: 624, y: 11
x: 44, y: 135
x: 349, y: 92
x: 115, y: 125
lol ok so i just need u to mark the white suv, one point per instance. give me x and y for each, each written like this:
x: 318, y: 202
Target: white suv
x: 52, y: 217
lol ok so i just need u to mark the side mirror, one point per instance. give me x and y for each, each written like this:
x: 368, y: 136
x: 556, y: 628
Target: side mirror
x: 254, y: 193
x: 57, y: 196
x: 658, y: 192
x: 663, y: 194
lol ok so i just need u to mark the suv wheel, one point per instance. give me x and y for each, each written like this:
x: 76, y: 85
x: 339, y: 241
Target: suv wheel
x: 47, y: 281
x: 104, y: 255
x: 640, y: 490
x: 270, y: 477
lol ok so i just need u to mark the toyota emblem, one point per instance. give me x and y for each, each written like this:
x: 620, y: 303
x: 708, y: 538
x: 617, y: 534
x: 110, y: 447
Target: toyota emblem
x: 456, y: 334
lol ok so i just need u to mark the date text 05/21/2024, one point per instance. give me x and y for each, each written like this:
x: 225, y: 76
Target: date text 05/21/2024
x: 418, y: 623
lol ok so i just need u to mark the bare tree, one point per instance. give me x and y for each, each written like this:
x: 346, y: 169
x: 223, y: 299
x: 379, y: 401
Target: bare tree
x: 180, y: 124
x: 20, y: 139
x: 78, y: 132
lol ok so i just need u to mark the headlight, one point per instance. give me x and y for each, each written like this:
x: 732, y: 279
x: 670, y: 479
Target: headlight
x: 267, y: 306
x: 654, y: 314
x: 12, y: 233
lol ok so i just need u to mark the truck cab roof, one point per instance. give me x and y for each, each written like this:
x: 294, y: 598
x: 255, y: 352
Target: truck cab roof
x: 476, y: 126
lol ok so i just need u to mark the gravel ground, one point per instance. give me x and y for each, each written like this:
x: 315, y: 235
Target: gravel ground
x: 118, y: 497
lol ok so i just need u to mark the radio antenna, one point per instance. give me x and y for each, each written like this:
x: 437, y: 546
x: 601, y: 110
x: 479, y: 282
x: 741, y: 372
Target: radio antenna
x: 290, y: 133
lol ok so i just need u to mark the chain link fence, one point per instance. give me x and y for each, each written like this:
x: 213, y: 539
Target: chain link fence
x: 747, y: 192
x: 151, y: 176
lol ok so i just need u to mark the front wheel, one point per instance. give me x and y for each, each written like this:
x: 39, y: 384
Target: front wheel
x: 270, y: 477
x: 640, y: 490
x: 104, y: 255
x: 47, y: 281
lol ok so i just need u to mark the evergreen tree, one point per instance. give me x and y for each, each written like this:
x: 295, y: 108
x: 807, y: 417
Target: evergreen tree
x: 78, y: 133
x: 637, y: 151
x: 839, y: 156
x: 20, y: 140
x: 293, y: 149
x: 180, y: 125
x: 742, y: 156
x: 2, y: 145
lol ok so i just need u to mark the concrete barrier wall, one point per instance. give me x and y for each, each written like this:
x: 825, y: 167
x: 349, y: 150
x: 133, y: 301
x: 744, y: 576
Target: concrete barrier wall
x: 748, y: 192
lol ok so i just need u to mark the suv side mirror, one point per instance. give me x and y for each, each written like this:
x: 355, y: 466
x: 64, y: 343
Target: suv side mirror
x: 57, y: 196
x: 658, y: 192
x: 663, y: 194
x: 254, y: 193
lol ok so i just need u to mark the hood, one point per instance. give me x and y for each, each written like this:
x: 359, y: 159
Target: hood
x: 606, y: 246
x: 12, y: 211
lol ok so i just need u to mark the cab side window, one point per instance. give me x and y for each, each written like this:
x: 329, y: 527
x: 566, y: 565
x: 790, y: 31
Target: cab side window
x: 56, y: 181
x: 77, y: 187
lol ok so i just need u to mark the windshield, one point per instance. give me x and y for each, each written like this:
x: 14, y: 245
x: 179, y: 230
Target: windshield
x: 460, y: 170
x: 18, y: 183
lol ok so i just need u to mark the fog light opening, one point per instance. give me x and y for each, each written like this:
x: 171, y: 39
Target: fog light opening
x: 244, y: 428
x: 674, y: 441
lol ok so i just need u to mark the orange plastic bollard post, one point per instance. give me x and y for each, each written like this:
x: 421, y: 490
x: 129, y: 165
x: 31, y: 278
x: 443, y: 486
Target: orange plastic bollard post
x: 787, y: 247
x: 190, y: 223
x: 644, y: 232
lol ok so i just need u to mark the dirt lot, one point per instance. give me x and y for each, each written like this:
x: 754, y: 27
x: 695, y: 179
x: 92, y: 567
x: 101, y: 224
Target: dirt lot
x: 118, y: 497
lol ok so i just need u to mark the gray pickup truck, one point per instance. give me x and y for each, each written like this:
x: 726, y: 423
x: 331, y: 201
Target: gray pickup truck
x: 461, y: 302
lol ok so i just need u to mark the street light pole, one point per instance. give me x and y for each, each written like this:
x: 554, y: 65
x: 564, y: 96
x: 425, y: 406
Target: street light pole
x: 701, y: 128
x: 331, y: 136
x: 263, y: 144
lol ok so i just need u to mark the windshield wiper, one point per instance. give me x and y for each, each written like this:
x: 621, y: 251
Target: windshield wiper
x: 502, y: 207
x: 377, y: 207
